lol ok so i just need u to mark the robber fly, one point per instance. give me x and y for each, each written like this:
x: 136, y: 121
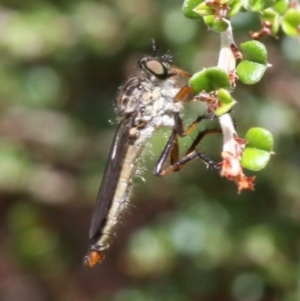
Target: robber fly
x: 144, y: 104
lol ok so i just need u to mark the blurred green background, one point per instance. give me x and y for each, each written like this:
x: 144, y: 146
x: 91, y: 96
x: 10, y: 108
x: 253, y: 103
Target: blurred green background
x: 188, y: 236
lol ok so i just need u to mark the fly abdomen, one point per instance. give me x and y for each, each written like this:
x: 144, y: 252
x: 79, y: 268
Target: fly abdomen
x: 103, y: 237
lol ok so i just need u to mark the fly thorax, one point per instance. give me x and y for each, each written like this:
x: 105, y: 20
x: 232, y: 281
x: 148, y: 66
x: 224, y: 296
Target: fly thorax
x: 128, y: 99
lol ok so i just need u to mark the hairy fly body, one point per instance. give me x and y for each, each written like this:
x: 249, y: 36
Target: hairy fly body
x: 144, y: 104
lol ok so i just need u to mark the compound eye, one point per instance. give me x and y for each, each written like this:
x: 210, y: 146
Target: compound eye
x: 156, y: 68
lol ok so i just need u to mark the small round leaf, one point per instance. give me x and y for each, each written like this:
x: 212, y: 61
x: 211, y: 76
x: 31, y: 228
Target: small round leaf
x: 281, y: 6
x: 254, y: 51
x: 255, y: 159
x: 216, y: 24
x: 224, y: 108
x: 188, y: 8
x: 209, y: 80
x: 234, y: 8
x: 271, y: 16
x: 260, y: 138
x: 258, y: 149
x: 291, y: 22
x: 224, y: 96
x: 257, y: 5
x: 203, y: 9
x: 249, y: 72
x: 226, y: 102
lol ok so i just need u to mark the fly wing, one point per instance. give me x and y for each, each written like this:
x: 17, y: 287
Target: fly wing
x: 111, y: 177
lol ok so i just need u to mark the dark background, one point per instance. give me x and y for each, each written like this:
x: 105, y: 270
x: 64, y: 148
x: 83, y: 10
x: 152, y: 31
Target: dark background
x: 188, y: 236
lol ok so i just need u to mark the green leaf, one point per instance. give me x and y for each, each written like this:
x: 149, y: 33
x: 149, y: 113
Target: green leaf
x: 255, y: 159
x: 224, y: 96
x: 216, y: 24
x: 250, y: 73
x: 260, y: 138
x: 234, y: 7
x: 203, y: 9
x: 188, y: 8
x: 271, y: 16
x: 223, y: 109
x: 209, y: 80
x: 254, y: 51
x: 258, y: 149
x: 227, y: 102
x: 257, y: 5
x: 291, y: 22
x: 281, y: 6
x: 254, y: 64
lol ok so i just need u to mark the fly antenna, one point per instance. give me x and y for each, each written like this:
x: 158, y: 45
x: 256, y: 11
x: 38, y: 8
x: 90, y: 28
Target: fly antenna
x: 166, y: 57
x: 154, y: 48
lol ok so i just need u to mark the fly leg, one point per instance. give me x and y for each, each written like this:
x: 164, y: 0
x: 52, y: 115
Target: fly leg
x: 171, y: 148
